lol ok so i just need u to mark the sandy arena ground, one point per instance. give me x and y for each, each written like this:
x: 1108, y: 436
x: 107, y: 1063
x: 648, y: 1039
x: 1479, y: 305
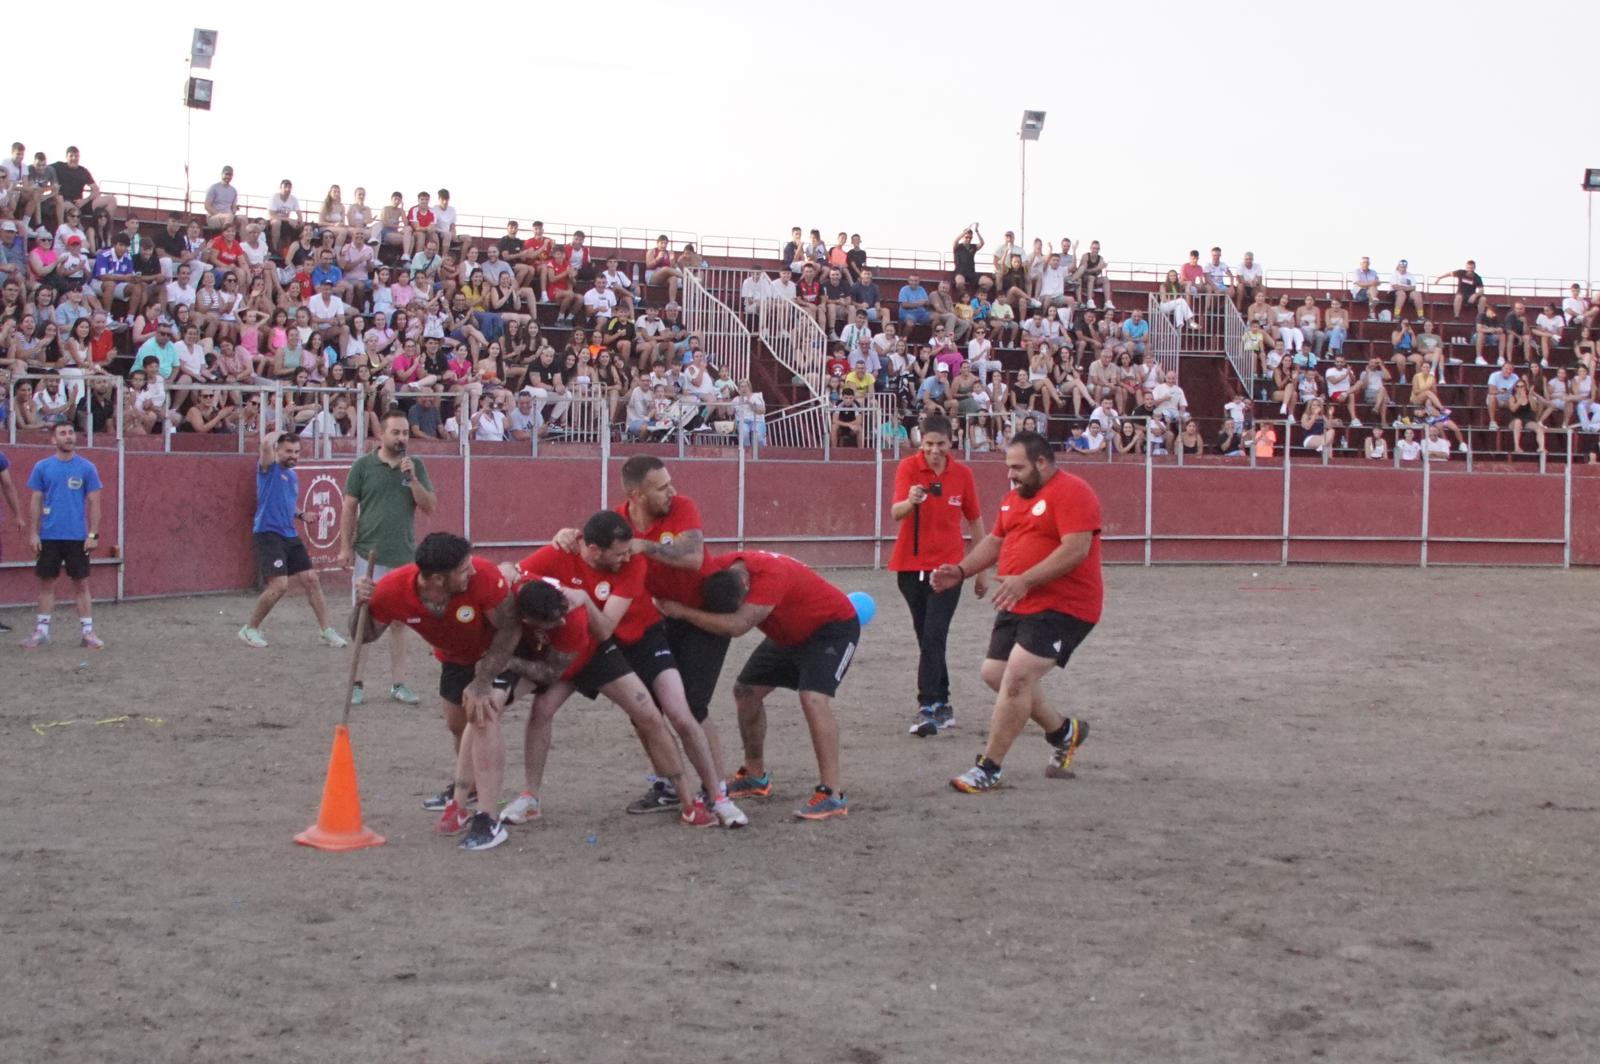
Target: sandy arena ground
x: 1324, y: 813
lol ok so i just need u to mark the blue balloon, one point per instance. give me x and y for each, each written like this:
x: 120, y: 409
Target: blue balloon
x: 866, y: 609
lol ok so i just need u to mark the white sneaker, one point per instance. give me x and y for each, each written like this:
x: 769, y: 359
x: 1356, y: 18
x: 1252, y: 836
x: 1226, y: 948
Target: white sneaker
x: 1463, y: 447
x: 1355, y: 422
x: 730, y: 815
x: 332, y: 637
x: 252, y: 637
x: 521, y: 809
x: 1480, y: 361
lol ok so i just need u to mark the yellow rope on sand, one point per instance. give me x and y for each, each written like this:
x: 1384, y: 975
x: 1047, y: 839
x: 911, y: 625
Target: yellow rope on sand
x: 40, y: 728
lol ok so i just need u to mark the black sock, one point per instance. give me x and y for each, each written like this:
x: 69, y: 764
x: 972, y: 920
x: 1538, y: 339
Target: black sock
x: 1059, y: 736
x: 824, y: 790
x: 991, y: 767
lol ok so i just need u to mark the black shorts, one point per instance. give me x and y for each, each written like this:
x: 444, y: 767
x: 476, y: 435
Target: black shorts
x: 280, y: 555
x: 818, y: 664
x: 699, y: 655
x: 54, y: 553
x: 606, y: 664
x: 1049, y: 634
x: 651, y: 655
x: 454, y: 679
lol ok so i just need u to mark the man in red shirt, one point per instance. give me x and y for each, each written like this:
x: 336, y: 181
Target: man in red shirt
x: 811, y: 635
x: 1047, y: 541
x: 602, y: 566
x: 564, y: 276
x: 225, y: 252
x: 458, y: 604
x: 668, y: 549
x: 420, y: 221
x: 532, y: 264
x: 936, y: 493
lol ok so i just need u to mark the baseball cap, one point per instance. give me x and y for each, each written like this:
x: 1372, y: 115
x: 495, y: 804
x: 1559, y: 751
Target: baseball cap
x: 10, y: 227
x: 74, y: 240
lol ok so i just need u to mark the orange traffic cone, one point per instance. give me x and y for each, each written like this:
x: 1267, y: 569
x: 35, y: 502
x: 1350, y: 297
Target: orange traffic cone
x: 339, y: 825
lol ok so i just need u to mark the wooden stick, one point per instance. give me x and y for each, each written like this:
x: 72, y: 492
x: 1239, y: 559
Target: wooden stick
x: 361, y: 642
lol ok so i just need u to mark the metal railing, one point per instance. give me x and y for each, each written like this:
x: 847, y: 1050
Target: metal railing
x: 804, y: 424
x: 1233, y: 346
x: 795, y: 340
x: 724, y: 336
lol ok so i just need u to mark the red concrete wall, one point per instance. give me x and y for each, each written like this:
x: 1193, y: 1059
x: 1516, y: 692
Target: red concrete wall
x: 188, y: 513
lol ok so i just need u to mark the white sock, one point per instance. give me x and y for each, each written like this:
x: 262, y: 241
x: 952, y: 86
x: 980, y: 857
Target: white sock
x: 86, y: 623
x: 42, y: 623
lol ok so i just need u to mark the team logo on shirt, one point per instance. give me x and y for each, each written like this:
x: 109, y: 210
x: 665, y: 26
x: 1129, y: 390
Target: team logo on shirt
x: 75, y: 483
x: 1039, y: 508
x: 466, y: 614
x: 955, y: 500
x: 666, y: 539
x: 602, y: 590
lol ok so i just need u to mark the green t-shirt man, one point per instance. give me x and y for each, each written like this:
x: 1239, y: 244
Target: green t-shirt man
x: 385, y: 524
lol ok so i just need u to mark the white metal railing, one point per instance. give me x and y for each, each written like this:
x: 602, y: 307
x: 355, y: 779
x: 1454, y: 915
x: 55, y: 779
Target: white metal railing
x: 795, y: 340
x: 1233, y: 346
x: 724, y: 336
x: 804, y: 424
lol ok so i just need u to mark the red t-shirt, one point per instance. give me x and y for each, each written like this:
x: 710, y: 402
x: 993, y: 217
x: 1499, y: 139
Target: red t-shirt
x: 571, y: 636
x: 801, y: 600
x: 541, y: 244
x: 419, y: 217
x: 459, y: 635
x: 936, y: 526
x: 229, y: 252
x: 627, y: 582
x: 102, y: 347
x: 1032, y: 528
x: 670, y: 581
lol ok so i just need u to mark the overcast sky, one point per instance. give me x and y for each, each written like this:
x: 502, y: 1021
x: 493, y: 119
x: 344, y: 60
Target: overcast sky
x: 1327, y: 131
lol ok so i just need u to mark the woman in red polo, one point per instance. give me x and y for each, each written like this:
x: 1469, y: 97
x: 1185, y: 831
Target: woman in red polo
x: 933, y: 495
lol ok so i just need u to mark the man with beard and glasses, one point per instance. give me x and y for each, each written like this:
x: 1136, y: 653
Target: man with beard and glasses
x: 1047, y: 543
x: 281, y: 556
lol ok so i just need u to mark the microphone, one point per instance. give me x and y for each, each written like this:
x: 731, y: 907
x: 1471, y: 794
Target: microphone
x: 405, y: 477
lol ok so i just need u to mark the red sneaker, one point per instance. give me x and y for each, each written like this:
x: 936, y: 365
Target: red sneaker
x: 697, y: 815
x: 453, y: 820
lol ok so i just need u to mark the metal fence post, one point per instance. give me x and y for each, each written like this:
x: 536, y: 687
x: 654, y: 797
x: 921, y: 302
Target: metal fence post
x: 1427, y: 496
x: 739, y: 516
x: 877, y: 499
x: 122, y: 500
x: 1149, y: 473
x: 1284, y: 559
x: 605, y: 470
x: 1566, y: 510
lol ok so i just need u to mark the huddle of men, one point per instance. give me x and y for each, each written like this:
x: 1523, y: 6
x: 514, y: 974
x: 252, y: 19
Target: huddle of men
x: 631, y: 606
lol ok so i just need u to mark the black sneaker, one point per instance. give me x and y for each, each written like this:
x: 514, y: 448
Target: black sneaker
x: 437, y: 803
x: 944, y: 715
x: 926, y: 724
x: 4, y: 627
x: 660, y: 798
x: 1060, y: 766
x: 484, y: 833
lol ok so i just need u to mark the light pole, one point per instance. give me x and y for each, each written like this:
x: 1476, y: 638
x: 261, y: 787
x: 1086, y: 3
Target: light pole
x: 1032, y: 125
x: 1591, y: 185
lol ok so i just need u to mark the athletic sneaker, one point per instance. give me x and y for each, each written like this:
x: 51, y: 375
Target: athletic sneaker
x: 4, y: 628
x: 976, y: 779
x: 729, y: 814
x: 745, y: 785
x: 484, y: 832
x: 39, y: 638
x: 926, y: 725
x: 439, y: 801
x: 453, y: 819
x: 253, y: 637
x: 403, y: 694
x: 944, y: 715
x: 1060, y: 766
x: 660, y: 798
x: 332, y: 637
x: 823, y: 805
x: 696, y: 815
x: 92, y: 642
x: 521, y: 809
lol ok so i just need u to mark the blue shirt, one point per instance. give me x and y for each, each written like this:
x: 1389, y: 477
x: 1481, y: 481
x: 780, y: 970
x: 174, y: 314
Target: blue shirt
x: 916, y: 297
x: 330, y: 273
x: 1135, y: 330
x: 65, y: 487
x: 166, y: 354
x: 277, y: 498
x: 105, y: 262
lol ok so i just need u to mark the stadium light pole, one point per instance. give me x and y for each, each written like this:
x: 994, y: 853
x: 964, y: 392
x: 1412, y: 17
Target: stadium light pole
x: 1591, y: 185
x: 1032, y: 126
